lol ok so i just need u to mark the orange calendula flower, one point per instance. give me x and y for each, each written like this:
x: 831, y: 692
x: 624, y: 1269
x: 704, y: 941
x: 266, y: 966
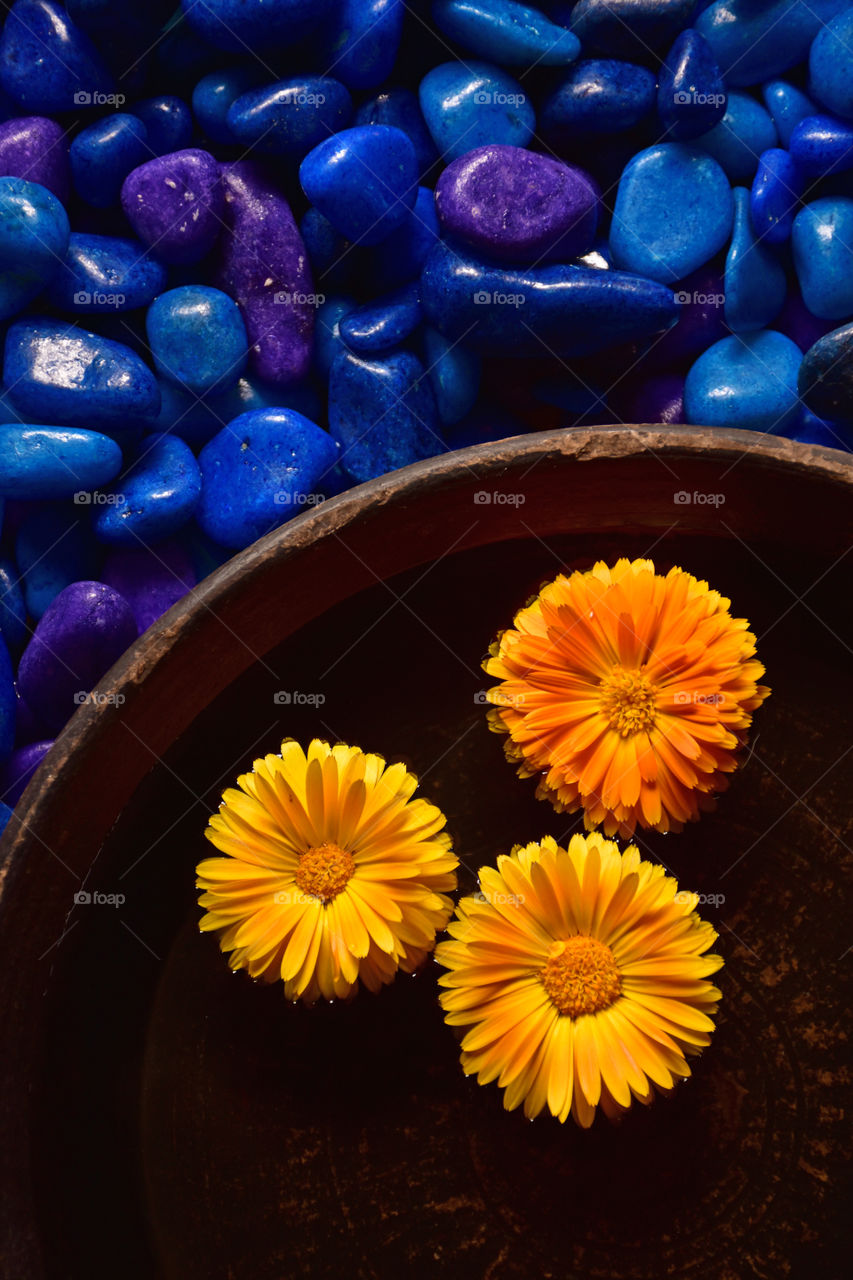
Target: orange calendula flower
x: 627, y: 693
x: 580, y: 978
x: 332, y: 875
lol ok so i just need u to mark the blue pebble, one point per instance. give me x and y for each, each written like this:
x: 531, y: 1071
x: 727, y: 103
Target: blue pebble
x: 155, y: 498
x: 826, y: 376
x: 787, y: 107
x: 53, y: 548
x: 364, y: 41
x: 105, y: 273
x: 328, y: 342
x: 54, y: 462
x: 384, y: 323
x: 401, y: 109
x: 290, y: 117
x: 598, y: 95
x: 754, y: 281
x: 197, y: 337
x: 400, y: 258
x: 748, y: 380
x: 745, y: 131
x: 468, y: 105
x: 383, y: 412
x: 56, y: 374
x: 673, y: 212
x: 168, y: 122
x: 691, y: 94
x: 822, y: 145
x: 254, y: 393
x: 822, y: 241
x: 633, y: 29
x: 34, y: 233
x: 13, y: 610
x: 775, y: 196
x: 264, y: 467
x: 829, y: 435
x: 831, y: 65
x: 256, y: 25
x: 328, y: 251
x: 754, y: 42
x: 8, y: 703
x: 363, y: 180
x: 454, y: 375
x: 47, y: 63
x: 213, y: 96
x: 5, y: 815
x: 552, y: 310
x: 505, y: 32
x: 104, y: 154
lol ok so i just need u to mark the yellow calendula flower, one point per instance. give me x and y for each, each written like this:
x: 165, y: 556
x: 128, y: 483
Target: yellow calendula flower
x: 332, y: 875
x: 628, y: 694
x: 580, y: 978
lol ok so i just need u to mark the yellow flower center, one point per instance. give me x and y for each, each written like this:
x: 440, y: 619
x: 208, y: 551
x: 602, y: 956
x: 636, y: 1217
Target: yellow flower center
x: 324, y: 871
x: 580, y: 976
x: 628, y: 701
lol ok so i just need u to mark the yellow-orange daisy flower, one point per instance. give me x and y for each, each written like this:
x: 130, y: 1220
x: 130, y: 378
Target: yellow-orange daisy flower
x: 580, y: 978
x: 627, y: 693
x: 332, y: 875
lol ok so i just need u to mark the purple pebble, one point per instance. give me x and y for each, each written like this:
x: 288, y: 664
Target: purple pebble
x: 265, y: 268
x: 34, y: 148
x: 82, y: 633
x: 150, y: 581
x: 19, y: 768
x: 174, y: 204
x: 701, y: 321
x: 656, y: 399
x: 517, y: 206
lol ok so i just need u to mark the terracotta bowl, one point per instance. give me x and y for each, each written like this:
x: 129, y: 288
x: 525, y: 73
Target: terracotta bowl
x: 161, y: 1117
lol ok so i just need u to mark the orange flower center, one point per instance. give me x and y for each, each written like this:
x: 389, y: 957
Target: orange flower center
x: 628, y: 700
x: 580, y: 976
x: 324, y: 871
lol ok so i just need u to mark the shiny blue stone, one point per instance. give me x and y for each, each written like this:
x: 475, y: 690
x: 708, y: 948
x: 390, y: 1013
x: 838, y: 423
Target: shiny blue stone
x: 826, y: 376
x: 53, y: 548
x: 787, y: 107
x: 363, y: 180
x: 34, y: 233
x: 197, y: 337
x: 598, y: 95
x: 454, y: 374
x: 47, y: 63
x: 558, y: 310
x: 400, y: 258
x: 383, y: 412
x: 13, y: 610
x: 673, y: 212
x: 328, y: 342
x: 505, y: 32
x: 290, y: 117
x: 472, y: 104
x: 831, y: 65
x: 154, y: 498
x: 748, y: 380
x: 822, y: 241
x: 822, y: 145
x: 104, y: 154
x: 259, y: 471
x: 168, y: 122
x: 754, y: 42
x: 384, y: 323
x: 691, y: 93
x: 633, y: 29
x: 56, y: 374
x: 775, y: 196
x: 401, y: 109
x: 105, y: 273
x: 213, y: 96
x: 365, y: 40
x: 754, y: 281
x: 739, y: 139
x: 54, y: 462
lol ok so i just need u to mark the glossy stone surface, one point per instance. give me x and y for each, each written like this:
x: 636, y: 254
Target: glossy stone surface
x: 598, y: 95
x: 471, y: 105
x: 363, y: 180
x: 787, y: 105
x: 263, y: 266
x: 831, y: 65
x: 214, y: 95
x: 103, y: 154
x: 826, y: 376
x: 175, y: 204
x: 822, y: 243
x: 263, y: 468
x: 168, y: 123
x: 748, y: 380
x: 34, y: 233
x: 384, y: 323
x: 754, y: 279
x: 691, y: 93
x: 822, y: 145
x: 745, y: 131
x: 328, y: 342
x: 71, y: 73
x: 364, y: 41
x: 673, y: 212
x: 292, y: 116
x: 197, y: 337
x: 154, y: 498
x: 54, y: 462
x: 757, y: 42
x: 83, y: 632
x: 383, y: 413
x: 105, y: 274
x: 517, y: 206
x: 775, y: 195
x: 53, y: 548
x: 505, y: 32
x: 35, y: 148
x: 150, y: 581
x: 400, y: 109
x: 564, y: 310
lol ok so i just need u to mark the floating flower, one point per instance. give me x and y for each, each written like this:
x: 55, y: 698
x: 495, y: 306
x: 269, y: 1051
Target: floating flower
x: 333, y: 874
x: 628, y: 693
x: 580, y: 976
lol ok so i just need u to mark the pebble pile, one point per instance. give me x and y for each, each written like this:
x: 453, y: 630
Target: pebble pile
x: 255, y: 251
